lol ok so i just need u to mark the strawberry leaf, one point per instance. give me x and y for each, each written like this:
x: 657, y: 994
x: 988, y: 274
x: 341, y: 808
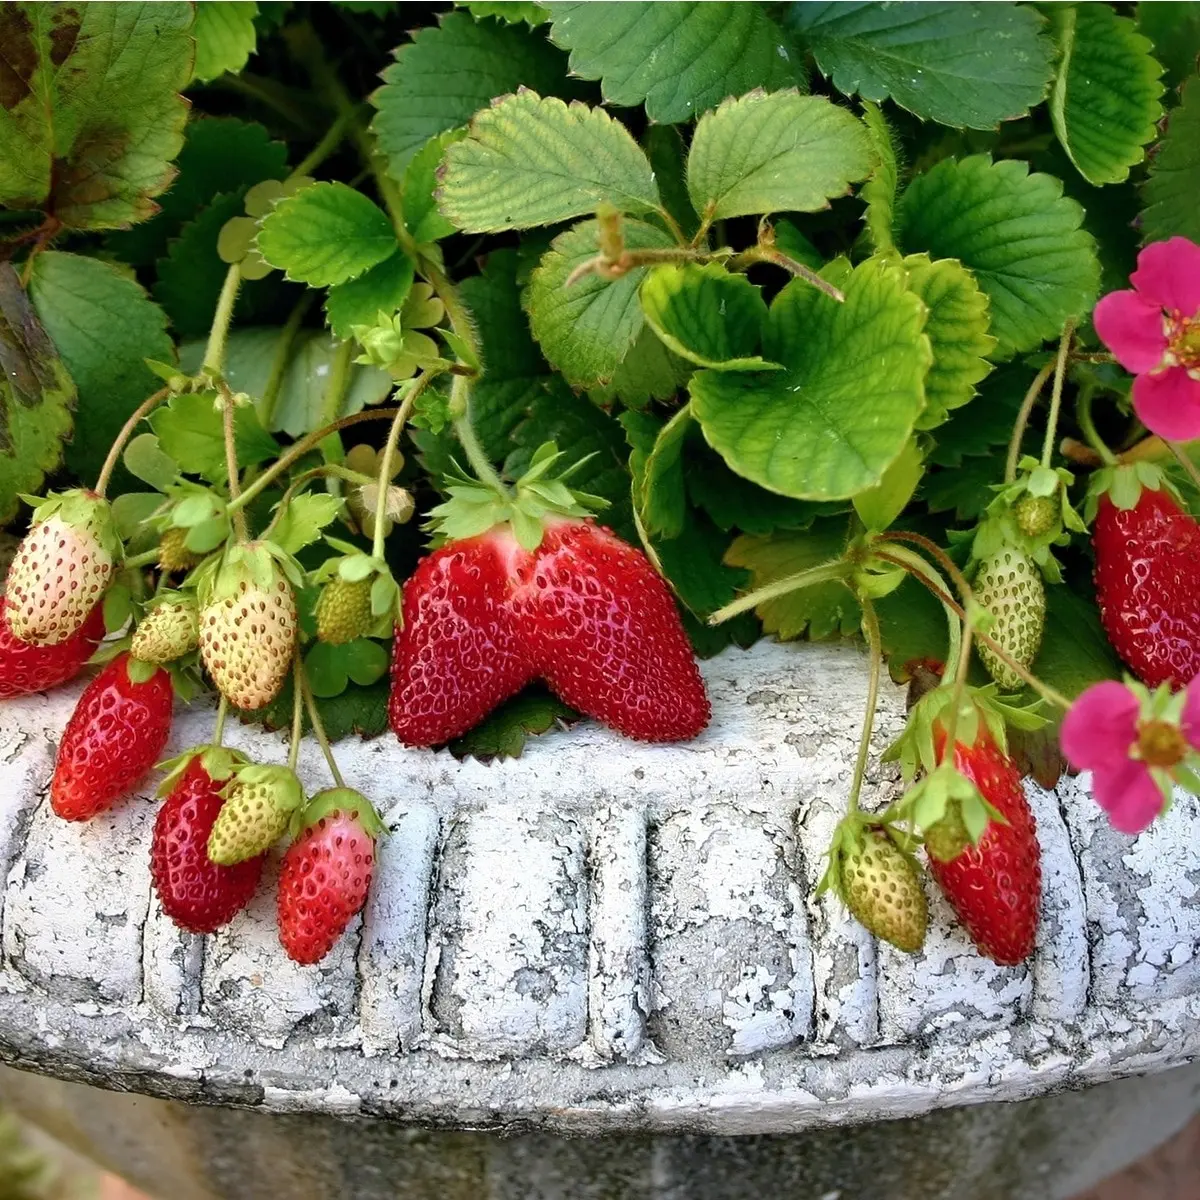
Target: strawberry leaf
x: 225, y: 37
x: 879, y: 192
x: 775, y: 153
x: 331, y: 669
x: 36, y: 398
x: 830, y: 423
x: 1173, y: 182
x: 504, y: 732
x: 382, y: 289
x: 532, y: 161
x: 190, y: 431
x: 419, y: 204
x: 304, y: 518
x: 1175, y: 31
x: 92, y: 116
x: 680, y: 59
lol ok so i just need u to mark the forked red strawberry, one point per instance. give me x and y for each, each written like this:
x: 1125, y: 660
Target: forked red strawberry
x: 26, y: 668
x: 1147, y: 568
x: 195, y: 893
x: 326, y: 873
x: 532, y: 587
x: 458, y: 654
x: 995, y: 887
x: 114, y: 736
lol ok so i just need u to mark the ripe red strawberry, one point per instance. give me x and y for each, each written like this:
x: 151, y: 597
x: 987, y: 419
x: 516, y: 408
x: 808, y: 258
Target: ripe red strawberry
x: 996, y: 886
x: 26, y: 668
x: 1147, y: 565
x: 602, y: 628
x: 326, y: 873
x: 195, y: 893
x: 114, y: 736
x: 458, y: 654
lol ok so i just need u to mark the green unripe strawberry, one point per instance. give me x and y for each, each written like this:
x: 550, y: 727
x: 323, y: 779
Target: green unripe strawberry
x: 173, y: 555
x: 882, y: 888
x: 947, y: 837
x: 167, y: 632
x: 1036, y: 515
x: 1009, y: 585
x: 344, y: 610
x: 259, y: 803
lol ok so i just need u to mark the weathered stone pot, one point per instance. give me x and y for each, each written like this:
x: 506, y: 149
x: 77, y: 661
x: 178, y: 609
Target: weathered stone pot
x: 601, y: 938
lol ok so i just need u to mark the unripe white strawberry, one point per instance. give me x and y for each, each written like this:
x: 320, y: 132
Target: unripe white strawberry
x: 62, y: 568
x: 167, y: 632
x: 1009, y: 585
x: 248, y: 626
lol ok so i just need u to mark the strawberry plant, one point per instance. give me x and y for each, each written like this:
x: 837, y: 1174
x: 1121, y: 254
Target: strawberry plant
x: 457, y: 372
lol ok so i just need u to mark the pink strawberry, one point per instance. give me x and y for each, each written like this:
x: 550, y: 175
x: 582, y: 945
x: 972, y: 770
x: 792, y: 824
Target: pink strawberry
x: 326, y: 873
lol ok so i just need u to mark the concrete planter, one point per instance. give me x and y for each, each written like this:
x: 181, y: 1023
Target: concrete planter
x: 604, y: 938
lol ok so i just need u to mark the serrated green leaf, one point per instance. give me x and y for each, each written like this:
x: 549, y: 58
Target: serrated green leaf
x: 145, y: 458
x: 509, y: 11
x: 648, y: 372
x: 663, y: 503
x: 822, y: 611
x: 382, y: 289
x: 1104, y: 104
x: 776, y: 152
x: 1016, y: 232
x: 104, y: 326
x: 504, y: 732
x: 450, y: 71
x: 304, y: 518
x: 988, y: 423
x: 879, y: 506
x: 695, y: 566
x: 879, y: 192
x: 830, y: 423
x: 587, y: 329
x: 191, y: 276
x: 249, y: 357
x: 36, y: 398
x: 957, y: 327
x: 957, y: 63
x: 533, y: 161
x: 191, y: 432
x: 325, y: 234
x: 225, y: 37
x: 706, y: 315
x: 1175, y: 31
x: 679, y: 59
x: 421, y: 216
x: 91, y: 114
x: 1173, y: 183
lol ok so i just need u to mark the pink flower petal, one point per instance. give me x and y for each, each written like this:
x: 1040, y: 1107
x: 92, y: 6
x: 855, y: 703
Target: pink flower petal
x: 1101, y: 727
x: 1168, y: 402
x: 1132, y: 328
x: 1168, y: 274
x: 1129, y: 795
x: 1190, y: 724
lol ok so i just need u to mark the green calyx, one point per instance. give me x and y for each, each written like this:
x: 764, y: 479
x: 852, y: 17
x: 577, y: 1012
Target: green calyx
x: 1123, y: 484
x: 257, y: 564
x: 84, y: 511
x: 218, y: 762
x: 473, y: 508
x: 339, y: 800
x: 358, y: 571
x: 949, y: 810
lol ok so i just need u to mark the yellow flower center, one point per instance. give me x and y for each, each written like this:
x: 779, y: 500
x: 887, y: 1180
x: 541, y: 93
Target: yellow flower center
x: 1160, y: 744
x: 1183, y: 341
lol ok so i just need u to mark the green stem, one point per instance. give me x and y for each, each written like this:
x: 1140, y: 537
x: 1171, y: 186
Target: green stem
x: 332, y: 139
x: 870, y: 625
x: 935, y: 551
x: 282, y: 359
x: 1083, y: 416
x: 141, y: 560
x: 297, y: 713
x: 960, y: 685
x: 769, y: 254
x: 231, y: 464
x: 1185, y: 462
x: 114, y: 451
x: 837, y: 568
x: 319, y: 728
x: 1031, y: 398
x: 297, y: 451
x: 460, y: 406
x: 674, y: 227
x: 916, y: 566
x: 214, y: 353
x: 389, y: 456
x: 1060, y: 371
x: 219, y: 727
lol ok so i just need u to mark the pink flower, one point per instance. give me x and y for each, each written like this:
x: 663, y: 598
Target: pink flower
x: 1137, y: 744
x: 1154, y: 332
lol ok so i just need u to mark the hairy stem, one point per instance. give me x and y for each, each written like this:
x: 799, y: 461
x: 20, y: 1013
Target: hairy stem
x: 1083, y: 416
x: 218, y: 335
x: 389, y: 456
x: 464, y: 428
x: 318, y: 725
x: 915, y: 565
x: 1060, y: 370
x: 231, y: 464
x: 114, y: 451
x: 219, y: 727
x: 870, y: 626
x: 1031, y: 398
x: 332, y: 139
x: 297, y: 713
x: 836, y: 568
